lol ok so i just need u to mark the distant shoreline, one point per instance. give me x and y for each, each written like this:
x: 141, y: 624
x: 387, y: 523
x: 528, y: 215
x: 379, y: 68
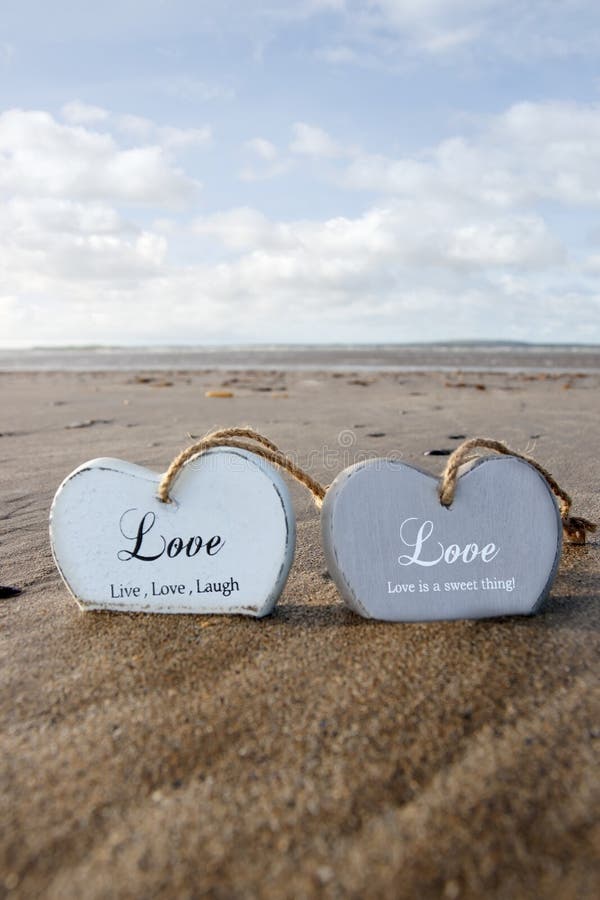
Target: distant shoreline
x: 467, y: 356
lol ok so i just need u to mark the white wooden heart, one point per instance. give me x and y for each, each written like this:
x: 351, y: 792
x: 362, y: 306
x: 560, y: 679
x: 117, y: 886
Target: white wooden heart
x: 224, y: 545
x: 395, y: 553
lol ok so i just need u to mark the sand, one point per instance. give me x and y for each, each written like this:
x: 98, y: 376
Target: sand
x: 313, y: 753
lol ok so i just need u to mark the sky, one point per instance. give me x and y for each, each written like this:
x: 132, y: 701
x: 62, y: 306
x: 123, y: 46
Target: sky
x: 328, y: 171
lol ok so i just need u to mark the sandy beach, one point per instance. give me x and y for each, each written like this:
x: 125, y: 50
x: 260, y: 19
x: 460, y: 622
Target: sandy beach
x: 312, y: 753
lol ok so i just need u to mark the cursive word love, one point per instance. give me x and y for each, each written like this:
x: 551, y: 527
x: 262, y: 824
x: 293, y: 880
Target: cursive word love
x: 149, y: 545
x: 422, y: 556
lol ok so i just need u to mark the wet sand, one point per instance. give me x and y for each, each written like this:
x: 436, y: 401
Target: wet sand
x: 313, y: 753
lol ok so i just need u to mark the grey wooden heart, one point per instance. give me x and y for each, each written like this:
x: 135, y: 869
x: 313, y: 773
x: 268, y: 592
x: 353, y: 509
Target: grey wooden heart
x: 395, y: 553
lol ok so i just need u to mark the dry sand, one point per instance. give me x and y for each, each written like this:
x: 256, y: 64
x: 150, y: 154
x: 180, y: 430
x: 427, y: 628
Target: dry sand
x: 312, y: 753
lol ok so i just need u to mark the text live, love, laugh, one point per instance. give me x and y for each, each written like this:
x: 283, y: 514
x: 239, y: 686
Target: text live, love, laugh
x: 123, y: 591
x: 149, y: 545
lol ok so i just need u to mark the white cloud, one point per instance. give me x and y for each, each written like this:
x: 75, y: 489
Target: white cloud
x: 46, y: 239
x: 77, y: 113
x: 450, y: 39
x: 529, y: 154
x: 179, y: 138
x: 401, y: 235
x: 268, y: 162
x: 519, y: 242
x: 61, y: 231
x: 390, y: 33
x: 40, y: 157
x: 142, y: 129
x: 309, y: 140
x: 411, y: 13
x: 137, y: 127
x: 266, y: 173
x: 262, y: 148
x: 29, y: 216
x: 459, y: 241
x: 241, y: 229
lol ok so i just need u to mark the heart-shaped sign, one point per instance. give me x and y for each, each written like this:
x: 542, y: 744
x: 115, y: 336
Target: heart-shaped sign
x: 395, y: 553
x: 224, y: 544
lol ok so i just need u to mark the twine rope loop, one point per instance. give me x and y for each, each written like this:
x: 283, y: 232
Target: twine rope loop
x: 246, y: 438
x: 243, y: 438
x: 574, y: 527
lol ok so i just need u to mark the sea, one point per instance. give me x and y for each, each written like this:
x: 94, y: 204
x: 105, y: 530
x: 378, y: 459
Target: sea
x: 463, y: 356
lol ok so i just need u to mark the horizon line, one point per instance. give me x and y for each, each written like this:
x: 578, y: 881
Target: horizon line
x: 265, y: 345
